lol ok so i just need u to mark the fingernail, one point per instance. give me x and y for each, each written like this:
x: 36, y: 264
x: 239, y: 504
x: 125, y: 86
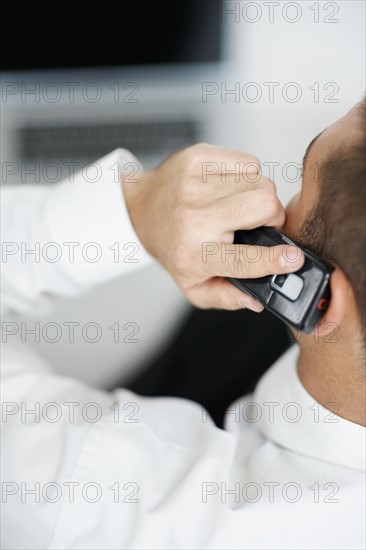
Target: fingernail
x: 292, y: 257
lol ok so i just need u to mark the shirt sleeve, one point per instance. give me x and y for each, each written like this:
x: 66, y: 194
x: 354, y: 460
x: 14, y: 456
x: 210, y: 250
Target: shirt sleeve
x: 85, y: 468
x: 61, y: 240
x: 50, y: 425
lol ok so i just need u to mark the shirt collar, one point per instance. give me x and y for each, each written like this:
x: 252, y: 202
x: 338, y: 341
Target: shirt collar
x: 299, y: 423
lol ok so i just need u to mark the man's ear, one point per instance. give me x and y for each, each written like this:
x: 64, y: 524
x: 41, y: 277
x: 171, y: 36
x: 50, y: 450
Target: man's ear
x: 340, y: 291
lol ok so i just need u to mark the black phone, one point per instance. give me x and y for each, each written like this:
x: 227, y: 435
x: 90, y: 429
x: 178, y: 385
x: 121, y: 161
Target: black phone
x: 299, y: 299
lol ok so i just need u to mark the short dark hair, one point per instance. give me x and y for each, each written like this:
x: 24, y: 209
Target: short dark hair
x: 336, y: 227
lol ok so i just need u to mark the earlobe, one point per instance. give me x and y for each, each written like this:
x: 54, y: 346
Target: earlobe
x: 340, y: 289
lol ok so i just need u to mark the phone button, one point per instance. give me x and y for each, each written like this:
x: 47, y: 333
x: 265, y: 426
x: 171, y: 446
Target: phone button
x: 289, y: 285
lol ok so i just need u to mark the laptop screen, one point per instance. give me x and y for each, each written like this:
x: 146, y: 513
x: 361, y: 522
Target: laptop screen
x: 105, y: 34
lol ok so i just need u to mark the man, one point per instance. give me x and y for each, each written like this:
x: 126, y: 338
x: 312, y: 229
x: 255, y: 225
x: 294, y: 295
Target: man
x: 88, y: 469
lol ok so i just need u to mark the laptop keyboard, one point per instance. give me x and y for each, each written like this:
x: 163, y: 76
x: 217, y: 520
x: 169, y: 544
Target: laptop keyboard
x: 89, y: 142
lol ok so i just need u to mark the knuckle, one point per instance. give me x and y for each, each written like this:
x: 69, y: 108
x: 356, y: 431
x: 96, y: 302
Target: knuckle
x: 251, y: 170
x: 202, y: 146
x: 246, y: 157
x: 194, y: 166
x: 281, y: 217
x: 240, y: 269
x: 269, y: 184
x: 270, y: 202
x: 194, y: 157
x: 250, y: 164
x: 253, y: 160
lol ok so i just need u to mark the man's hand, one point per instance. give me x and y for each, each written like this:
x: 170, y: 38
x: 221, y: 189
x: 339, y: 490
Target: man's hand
x: 185, y: 213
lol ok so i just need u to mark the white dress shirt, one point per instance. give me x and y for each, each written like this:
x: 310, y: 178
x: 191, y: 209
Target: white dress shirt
x: 83, y: 468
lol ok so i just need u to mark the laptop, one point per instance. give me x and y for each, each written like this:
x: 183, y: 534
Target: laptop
x: 84, y: 83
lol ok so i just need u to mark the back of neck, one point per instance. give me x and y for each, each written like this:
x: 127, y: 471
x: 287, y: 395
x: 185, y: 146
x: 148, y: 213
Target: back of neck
x: 335, y: 378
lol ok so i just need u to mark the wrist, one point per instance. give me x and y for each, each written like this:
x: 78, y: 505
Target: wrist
x: 135, y: 197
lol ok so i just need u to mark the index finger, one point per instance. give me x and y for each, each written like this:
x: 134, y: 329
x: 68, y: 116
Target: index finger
x: 250, y: 261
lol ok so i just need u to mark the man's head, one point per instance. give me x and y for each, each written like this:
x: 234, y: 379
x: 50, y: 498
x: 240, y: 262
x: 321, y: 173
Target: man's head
x: 328, y: 216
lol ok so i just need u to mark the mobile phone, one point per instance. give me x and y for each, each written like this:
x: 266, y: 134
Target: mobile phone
x: 299, y: 299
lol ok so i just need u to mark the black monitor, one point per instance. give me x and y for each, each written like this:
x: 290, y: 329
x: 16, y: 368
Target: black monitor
x: 131, y: 32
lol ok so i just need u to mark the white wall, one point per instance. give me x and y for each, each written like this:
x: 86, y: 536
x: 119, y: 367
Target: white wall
x: 304, y: 52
